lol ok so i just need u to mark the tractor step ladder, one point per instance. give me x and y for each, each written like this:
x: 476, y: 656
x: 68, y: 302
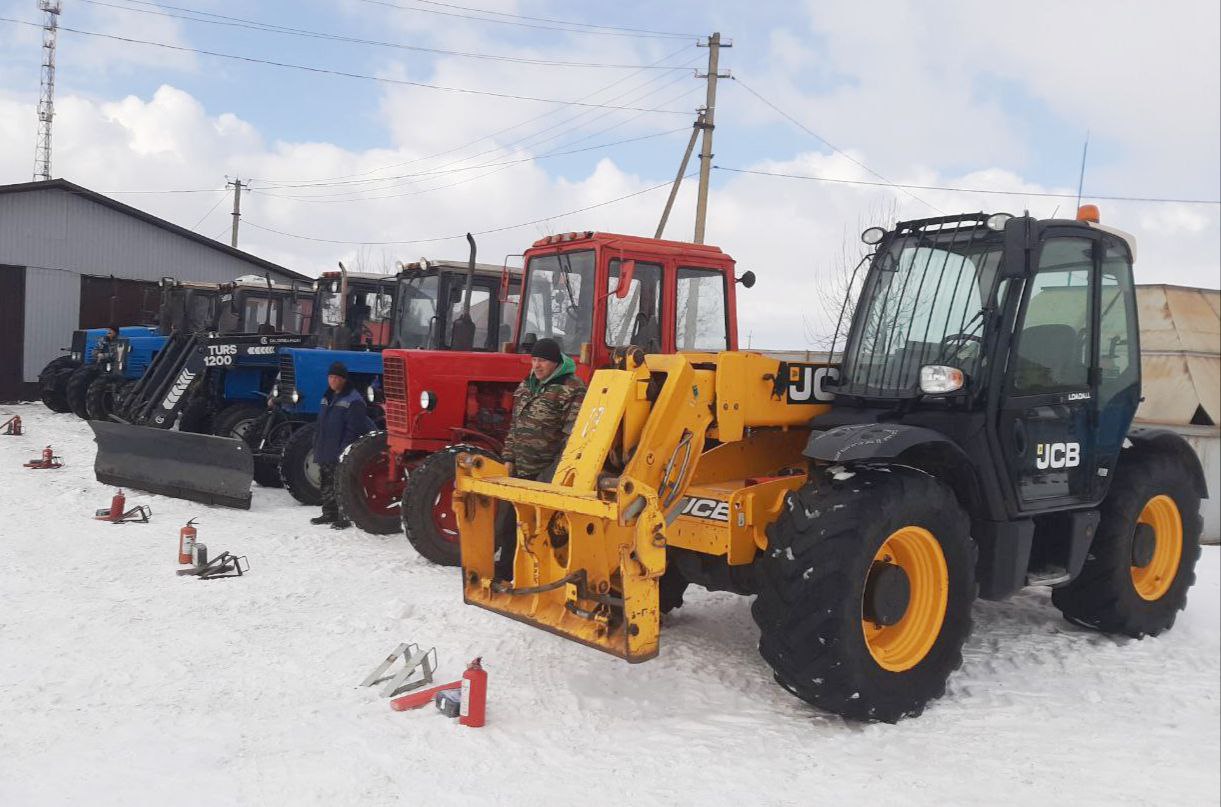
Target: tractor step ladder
x: 415, y: 660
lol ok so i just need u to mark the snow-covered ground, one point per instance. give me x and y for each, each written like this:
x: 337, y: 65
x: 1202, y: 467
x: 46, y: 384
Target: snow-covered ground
x: 121, y: 683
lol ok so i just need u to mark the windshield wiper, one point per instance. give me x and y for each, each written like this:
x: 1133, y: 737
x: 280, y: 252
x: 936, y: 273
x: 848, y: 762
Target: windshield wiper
x: 572, y: 298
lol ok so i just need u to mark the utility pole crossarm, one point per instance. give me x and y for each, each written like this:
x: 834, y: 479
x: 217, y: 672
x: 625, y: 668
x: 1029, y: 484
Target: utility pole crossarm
x: 709, y: 124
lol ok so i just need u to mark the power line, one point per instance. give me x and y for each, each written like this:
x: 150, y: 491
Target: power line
x: 498, y: 166
x: 343, y: 73
x: 1040, y: 194
x: 255, y: 25
x: 590, y: 28
x: 463, y: 235
x: 195, y: 226
x: 498, y: 132
x: 831, y: 145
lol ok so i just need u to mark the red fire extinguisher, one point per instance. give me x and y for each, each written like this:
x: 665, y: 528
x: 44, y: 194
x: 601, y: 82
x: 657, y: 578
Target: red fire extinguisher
x: 474, y: 695
x: 117, y: 505
x: 186, y: 541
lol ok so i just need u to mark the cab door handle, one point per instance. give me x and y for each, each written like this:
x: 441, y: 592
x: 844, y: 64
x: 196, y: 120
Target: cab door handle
x: 1019, y: 436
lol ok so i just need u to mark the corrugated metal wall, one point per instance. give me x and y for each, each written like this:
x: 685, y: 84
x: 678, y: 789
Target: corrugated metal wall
x: 52, y: 303
x: 60, y: 236
x: 55, y: 229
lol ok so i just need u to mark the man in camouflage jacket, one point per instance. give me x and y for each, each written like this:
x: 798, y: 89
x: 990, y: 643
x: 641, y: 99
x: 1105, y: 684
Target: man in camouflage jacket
x: 545, y: 407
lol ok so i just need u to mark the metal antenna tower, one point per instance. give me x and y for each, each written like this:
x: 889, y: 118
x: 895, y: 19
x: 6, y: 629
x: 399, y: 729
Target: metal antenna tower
x: 46, y: 98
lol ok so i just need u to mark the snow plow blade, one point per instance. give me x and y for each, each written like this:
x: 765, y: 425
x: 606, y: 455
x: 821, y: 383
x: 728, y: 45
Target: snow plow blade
x: 198, y: 467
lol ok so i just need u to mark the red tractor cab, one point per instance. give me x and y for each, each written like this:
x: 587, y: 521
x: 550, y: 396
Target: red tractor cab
x: 598, y: 295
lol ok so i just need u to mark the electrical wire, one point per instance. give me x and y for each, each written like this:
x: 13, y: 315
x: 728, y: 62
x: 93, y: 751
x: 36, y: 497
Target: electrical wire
x: 831, y: 145
x: 434, y: 239
x: 195, y: 226
x: 489, y: 136
x: 255, y: 25
x: 343, y: 73
x: 1039, y: 194
x: 589, y: 28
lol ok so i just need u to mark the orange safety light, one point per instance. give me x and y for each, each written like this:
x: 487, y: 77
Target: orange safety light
x: 1089, y: 213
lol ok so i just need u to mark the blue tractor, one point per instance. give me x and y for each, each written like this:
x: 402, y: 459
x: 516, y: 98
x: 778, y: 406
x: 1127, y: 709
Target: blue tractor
x: 185, y: 308
x: 54, y: 378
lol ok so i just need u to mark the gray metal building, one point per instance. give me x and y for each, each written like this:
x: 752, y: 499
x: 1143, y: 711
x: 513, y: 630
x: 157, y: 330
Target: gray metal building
x: 69, y: 256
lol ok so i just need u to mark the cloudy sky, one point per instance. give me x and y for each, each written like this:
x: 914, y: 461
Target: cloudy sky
x: 503, y: 117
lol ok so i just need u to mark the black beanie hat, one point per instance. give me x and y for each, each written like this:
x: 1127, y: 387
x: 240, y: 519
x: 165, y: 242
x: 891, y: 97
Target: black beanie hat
x: 547, y: 349
x: 338, y: 368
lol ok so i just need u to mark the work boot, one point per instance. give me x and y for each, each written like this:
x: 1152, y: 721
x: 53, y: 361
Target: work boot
x: 340, y: 524
x: 325, y: 518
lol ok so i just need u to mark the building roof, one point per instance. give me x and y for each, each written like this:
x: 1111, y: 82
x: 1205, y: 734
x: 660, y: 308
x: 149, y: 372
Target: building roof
x: 101, y: 199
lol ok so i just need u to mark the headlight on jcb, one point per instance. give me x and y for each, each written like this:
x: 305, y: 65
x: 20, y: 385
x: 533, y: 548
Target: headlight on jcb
x: 936, y: 379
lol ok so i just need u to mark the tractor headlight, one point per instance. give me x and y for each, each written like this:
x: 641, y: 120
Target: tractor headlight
x: 873, y: 235
x: 275, y: 390
x: 937, y: 379
x: 997, y: 221
x: 295, y: 397
x: 428, y: 400
x: 76, y: 356
x: 371, y: 393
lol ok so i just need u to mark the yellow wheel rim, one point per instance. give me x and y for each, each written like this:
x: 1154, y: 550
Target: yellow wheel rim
x: 1154, y: 580
x: 903, y: 645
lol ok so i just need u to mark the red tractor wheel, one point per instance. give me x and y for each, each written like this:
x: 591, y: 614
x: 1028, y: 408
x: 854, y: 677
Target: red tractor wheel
x: 428, y: 505
x: 366, y: 493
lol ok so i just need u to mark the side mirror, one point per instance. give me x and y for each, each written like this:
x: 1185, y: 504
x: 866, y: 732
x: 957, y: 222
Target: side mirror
x: 626, y: 270
x: 747, y: 279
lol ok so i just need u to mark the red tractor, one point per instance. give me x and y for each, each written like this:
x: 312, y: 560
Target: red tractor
x: 598, y: 295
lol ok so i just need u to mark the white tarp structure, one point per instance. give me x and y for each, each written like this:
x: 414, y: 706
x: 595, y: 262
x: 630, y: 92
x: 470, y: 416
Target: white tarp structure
x: 1180, y: 345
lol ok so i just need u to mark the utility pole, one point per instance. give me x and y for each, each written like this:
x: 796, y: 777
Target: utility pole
x: 696, y: 128
x: 709, y: 123
x: 237, y: 184
x: 46, y: 96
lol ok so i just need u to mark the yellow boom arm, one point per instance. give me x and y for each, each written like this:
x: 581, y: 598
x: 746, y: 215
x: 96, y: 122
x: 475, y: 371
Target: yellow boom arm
x: 686, y: 450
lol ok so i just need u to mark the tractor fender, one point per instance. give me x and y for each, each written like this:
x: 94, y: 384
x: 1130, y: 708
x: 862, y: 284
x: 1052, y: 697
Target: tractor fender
x: 916, y: 447
x: 1152, y: 439
x: 872, y: 441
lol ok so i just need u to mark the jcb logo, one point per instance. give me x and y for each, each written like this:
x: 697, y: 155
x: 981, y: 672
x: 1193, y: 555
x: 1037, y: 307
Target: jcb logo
x: 1057, y: 455
x: 804, y: 383
x: 711, y: 509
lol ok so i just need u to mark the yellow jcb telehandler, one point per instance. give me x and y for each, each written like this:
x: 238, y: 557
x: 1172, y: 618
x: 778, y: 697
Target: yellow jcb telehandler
x: 973, y: 438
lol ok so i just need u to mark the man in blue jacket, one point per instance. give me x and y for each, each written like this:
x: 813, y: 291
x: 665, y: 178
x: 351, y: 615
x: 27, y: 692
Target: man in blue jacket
x: 342, y: 418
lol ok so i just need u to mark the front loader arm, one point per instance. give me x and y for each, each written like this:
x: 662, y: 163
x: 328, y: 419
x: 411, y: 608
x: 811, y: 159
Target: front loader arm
x: 591, y: 543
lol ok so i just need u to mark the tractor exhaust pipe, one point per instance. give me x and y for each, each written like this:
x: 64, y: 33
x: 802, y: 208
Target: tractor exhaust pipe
x: 462, y: 336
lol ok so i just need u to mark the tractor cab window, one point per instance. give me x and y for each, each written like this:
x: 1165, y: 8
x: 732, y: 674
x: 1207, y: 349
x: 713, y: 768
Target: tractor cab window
x: 188, y: 311
x: 417, y: 312
x: 700, y: 322
x: 559, y: 300
x: 508, y: 313
x: 1053, y: 347
x: 481, y: 304
x: 300, y: 314
x: 1117, y: 337
x: 925, y: 301
x: 260, y: 314
x: 331, y: 304
x: 636, y: 318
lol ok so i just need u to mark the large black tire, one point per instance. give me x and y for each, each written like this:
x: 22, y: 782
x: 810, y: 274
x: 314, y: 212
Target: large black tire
x: 54, y: 389
x: 55, y: 365
x: 100, y: 397
x: 1105, y: 595
x: 363, y: 490
x: 237, y: 420
x: 428, y: 518
x: 298, y: 471
x: 121, y: 391
x: 825, y: 551
x: 77, y: 390
x: 196, y: 415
